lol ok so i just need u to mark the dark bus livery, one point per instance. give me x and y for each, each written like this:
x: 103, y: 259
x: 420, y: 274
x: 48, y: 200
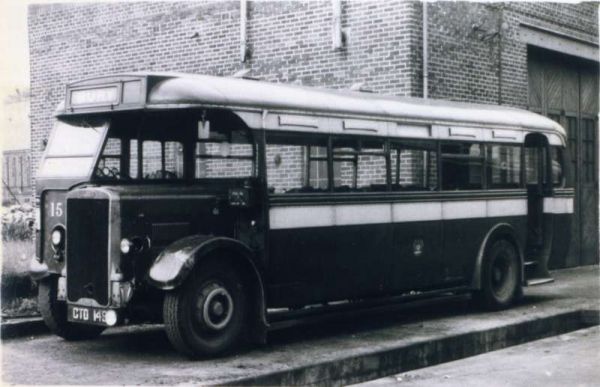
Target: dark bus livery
x: 209, y: 202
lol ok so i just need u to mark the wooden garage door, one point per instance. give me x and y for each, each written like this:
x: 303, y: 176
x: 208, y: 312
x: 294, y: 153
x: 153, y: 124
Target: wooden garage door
x: 565, y: 89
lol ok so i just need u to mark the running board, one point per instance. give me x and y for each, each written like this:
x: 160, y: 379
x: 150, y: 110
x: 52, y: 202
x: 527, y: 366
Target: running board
x: 280, y: 319
x: 538, y: 281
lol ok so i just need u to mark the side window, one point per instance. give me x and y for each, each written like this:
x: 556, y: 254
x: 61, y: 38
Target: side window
x: 317, y: 166
x: 462, y: 166
x: 413, y: 166
x: 504, y: 166
x: 359, y: 165
x: 133, y: 159
x: 162, y: 160
x: 226, y: 154
x: 531, y: 165
x: 296, y: 165
x: 535, y: 165
x: 556, y: 156
x: 174, y: 159
x: 152, y: 159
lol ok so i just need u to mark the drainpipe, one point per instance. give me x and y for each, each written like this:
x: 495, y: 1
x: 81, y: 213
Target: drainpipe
x: 425, y: 53
x: 501, y: 28
x: 337, y: 24
x: 243, y: 39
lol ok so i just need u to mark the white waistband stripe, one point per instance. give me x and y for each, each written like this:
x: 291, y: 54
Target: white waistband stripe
x: 558, y: 205
x: 355, y: 214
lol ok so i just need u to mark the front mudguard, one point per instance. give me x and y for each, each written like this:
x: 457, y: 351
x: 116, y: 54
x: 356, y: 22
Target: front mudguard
x: 38, y: 270
x: 174, y: 264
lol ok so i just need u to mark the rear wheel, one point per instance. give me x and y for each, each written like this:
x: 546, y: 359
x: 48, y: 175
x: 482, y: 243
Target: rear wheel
x: 207, y: 315
x: 500, y: 276
x: 54, y: 313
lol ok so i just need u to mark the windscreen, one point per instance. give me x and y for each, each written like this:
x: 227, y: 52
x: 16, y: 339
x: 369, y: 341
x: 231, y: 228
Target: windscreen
x: 72, y: 148
x: 156, y: 148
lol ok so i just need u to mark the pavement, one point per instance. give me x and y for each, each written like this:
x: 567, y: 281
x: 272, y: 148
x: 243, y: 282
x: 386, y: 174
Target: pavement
x: 354, y: 350
x: 571, y: 359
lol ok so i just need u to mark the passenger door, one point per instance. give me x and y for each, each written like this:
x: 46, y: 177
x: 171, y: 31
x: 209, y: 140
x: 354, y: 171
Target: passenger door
x: 536, y: 178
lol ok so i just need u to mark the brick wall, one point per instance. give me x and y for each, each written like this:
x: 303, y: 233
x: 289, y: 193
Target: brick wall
x: 466, y: 57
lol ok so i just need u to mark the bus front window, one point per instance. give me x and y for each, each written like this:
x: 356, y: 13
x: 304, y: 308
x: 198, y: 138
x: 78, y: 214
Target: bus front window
x: 156, y: 151
x: 72, y: 148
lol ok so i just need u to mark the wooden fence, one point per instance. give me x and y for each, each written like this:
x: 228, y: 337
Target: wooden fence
x: 16, y: 177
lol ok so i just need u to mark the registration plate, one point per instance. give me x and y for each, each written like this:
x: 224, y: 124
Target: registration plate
x: 86, y: 314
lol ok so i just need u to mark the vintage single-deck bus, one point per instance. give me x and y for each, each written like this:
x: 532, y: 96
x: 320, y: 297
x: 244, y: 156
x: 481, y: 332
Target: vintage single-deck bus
x: 207, y: 202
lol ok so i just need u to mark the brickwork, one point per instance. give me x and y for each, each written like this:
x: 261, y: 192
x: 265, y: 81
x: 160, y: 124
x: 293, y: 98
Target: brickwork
x: 466, y: 55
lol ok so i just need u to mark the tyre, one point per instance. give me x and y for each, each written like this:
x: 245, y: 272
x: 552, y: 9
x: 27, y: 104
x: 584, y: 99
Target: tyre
x: 500, y: 277
x: 54, y: 313
x: 207, y: 315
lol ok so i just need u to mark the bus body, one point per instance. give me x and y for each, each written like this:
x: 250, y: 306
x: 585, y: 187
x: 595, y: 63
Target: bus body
x: 206, y: 201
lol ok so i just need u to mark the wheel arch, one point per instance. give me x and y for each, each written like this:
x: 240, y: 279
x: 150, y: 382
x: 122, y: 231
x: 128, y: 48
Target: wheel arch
x: 174, y: 264
x: 498, y: 232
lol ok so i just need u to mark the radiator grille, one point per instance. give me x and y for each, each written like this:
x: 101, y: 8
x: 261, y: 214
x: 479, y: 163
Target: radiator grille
x: 87, y: 250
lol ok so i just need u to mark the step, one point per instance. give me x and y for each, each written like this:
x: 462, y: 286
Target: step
x: 539, y: 281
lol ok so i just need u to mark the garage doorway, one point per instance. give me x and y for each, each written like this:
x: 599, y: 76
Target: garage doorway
x: 565, y: 89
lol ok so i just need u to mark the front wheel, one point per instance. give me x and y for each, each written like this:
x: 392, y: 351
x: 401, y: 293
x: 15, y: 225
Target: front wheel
x: 207, y: 315
x: 500, y: 277
x: 54, y: 313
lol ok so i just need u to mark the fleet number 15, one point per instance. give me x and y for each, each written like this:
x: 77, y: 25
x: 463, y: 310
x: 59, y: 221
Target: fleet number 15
x: 56, y: 209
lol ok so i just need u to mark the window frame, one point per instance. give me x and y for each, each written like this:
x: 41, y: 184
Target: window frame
x: 481, y: 158
x: 355, y: 160
x: 522, y: 171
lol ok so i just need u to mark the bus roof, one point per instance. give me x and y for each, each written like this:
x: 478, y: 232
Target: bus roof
x: 173, y: 90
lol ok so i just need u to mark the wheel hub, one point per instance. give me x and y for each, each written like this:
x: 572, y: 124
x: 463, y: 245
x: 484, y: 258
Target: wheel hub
x: 217, y: 308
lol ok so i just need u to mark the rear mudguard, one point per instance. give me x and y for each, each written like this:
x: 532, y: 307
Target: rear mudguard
x: 501, y: 230
x: 174, y: 264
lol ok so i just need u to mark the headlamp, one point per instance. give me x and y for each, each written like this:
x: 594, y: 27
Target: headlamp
x: 126, y: 245
x: 134, y: 244
x: 58, y: 237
